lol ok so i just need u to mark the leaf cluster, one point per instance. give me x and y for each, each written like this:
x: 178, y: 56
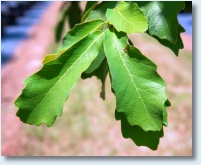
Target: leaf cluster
x: 98, y: 46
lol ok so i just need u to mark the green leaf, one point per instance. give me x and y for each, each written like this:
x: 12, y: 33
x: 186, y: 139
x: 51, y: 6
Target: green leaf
x: 174, y: 47
x: 127, y: 17
x: 97, y: 62
x: 99, y: 69
x: 64, y: 5
x: 76, y: 34
x: 89, y: 7
x: 79, y: 32
x: 103, y: 74
x: 140, y: 91
x: 162, y: 18
x: 100, y: 73
x: 100, y: 10
x: 165, y: 120
x: 51, y: 57
x: 60, y: 25
x: 167, y: 103
x: 137, y: 134
x: 188, y: 7
x: 46, y: 91
x: 130, y: 42
x: 74, y: 14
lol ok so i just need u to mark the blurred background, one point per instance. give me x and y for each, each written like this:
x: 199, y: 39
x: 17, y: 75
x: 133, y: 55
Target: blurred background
x: 87, y: 126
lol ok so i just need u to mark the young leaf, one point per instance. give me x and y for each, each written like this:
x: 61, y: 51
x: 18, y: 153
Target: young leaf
x: 100, y: 10
x: 46, y: 91
x: 162, y: 18
x: 89, y: 6
x: 76, y: 34
x: 137, y: 134
x: 127, y: 17
x: 139, y: 90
